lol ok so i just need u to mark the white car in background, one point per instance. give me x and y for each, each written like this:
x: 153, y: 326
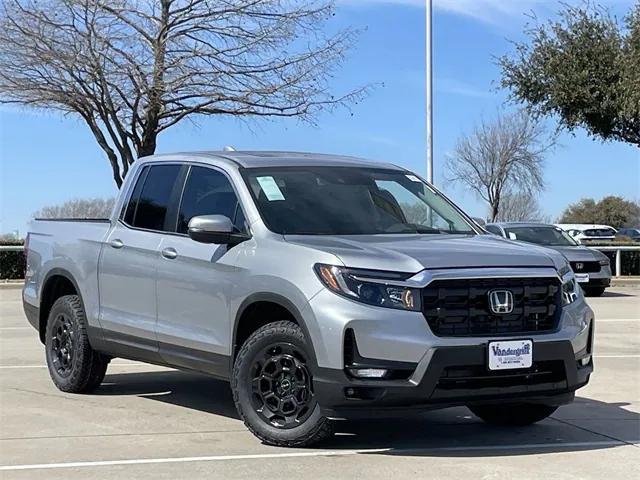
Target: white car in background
x: 587, y: 231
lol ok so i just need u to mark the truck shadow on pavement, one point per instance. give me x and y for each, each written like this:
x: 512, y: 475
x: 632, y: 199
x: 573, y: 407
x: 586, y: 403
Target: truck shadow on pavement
x: 454, y: 432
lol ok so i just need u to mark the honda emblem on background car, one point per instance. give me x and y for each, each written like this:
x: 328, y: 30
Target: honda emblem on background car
x: 501, y: 301
x: 579, y: 266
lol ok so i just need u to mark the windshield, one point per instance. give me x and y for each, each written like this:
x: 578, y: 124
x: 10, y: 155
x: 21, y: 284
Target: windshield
x: 550, y: 236
x: 311, y: 200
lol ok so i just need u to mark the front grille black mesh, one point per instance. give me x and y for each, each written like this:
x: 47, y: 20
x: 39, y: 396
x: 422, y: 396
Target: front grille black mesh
x: 585, y: 267
x: 460, y: 308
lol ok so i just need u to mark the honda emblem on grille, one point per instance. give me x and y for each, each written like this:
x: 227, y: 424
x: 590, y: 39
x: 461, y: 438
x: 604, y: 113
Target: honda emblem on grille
x: 579, y: 266
x: 501, y: 301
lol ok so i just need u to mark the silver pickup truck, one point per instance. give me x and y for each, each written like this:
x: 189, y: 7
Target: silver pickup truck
x: 322, y: 287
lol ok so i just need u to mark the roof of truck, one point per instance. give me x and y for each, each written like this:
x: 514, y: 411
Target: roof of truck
x: 252, y: 159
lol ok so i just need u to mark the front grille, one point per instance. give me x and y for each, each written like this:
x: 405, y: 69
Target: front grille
x: 460, y: 308
x: 477, y: 376
x: 585, y: 267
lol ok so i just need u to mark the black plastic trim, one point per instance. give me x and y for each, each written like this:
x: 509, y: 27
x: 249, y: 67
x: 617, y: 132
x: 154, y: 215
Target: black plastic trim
x: 33, y: 314
x: 330, y: 384
x: 284, y: 303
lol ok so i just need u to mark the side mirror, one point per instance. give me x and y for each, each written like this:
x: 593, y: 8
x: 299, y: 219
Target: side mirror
x: 216, y: 229
x: 479, y: 221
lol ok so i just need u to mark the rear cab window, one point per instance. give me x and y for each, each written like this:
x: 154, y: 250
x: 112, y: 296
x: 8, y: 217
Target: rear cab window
x: 150, y: 204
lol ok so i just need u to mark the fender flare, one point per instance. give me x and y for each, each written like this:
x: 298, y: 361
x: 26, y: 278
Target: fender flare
x: 279, y: 300
x: 56, y: 272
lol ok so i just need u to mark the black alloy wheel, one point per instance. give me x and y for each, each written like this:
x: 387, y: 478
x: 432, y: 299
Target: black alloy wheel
x: 62, y: 344
x: 272, y: 385
x: 281, y: 386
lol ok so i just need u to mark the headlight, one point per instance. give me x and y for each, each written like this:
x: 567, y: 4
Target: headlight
x: 604, y: 262
x: 368, y: 287
x: 570, y: 291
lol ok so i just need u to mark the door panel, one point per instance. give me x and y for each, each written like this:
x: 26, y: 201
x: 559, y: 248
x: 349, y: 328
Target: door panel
x: 195, y: 281
x: 194, y: 289
x: 128, y: 265
x: 127, y: 280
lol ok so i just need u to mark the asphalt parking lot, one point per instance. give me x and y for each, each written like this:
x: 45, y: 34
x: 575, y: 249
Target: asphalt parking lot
x: 152, y: 422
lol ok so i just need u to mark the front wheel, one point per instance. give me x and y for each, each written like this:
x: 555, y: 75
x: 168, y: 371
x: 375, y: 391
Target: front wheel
x: 512, y: 415
x: 273, y: 388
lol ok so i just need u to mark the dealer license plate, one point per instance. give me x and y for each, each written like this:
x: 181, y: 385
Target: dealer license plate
x: 582, y: 277
x: 510, y: 354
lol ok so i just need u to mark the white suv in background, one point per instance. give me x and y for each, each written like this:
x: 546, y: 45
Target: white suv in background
x: 584, y: 231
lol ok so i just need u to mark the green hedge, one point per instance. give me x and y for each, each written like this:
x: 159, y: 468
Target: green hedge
x: 12, y: 264
x: 630, y: 260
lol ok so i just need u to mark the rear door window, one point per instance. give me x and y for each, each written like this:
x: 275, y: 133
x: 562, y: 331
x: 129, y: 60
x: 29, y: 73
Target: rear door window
x: 130, y: 210
x: 153, y: 204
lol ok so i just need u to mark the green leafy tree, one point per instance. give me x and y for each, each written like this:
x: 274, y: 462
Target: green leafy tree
x: 614, y: 211
x: 584, y: 69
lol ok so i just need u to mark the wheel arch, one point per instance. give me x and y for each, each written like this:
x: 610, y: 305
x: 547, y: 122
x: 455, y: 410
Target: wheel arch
x: 246, y: 321
x: 57, y: 283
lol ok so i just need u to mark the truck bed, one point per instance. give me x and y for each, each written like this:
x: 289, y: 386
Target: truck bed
x: 65, y: 245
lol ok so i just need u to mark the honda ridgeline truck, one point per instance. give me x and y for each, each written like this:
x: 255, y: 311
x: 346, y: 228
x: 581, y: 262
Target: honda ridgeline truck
x: 322, y: 287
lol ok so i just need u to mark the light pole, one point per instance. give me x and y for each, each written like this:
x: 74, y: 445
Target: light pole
x: 429, y: 75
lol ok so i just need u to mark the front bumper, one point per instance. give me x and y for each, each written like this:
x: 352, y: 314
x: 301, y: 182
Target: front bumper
x: 450, y: 376
x: 442, y: 371
x: 601, y: 278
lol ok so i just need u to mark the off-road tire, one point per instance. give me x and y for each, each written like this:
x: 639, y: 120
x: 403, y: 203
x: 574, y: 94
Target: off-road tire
x: 512, y: 415
x: 87, y: 368
x: 315, y: 427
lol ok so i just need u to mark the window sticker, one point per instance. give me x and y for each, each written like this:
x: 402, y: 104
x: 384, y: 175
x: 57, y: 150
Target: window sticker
x: 413, y: 178
x: 270, y: 188
x: 512, y: 236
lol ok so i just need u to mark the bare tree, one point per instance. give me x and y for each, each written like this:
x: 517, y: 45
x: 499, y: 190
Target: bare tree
x: 499, y: 156
x: 78, y: 208
x: 131, y: 69
x: 520, y: 207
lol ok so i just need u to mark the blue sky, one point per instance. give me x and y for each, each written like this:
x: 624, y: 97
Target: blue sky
x: 47, y: 159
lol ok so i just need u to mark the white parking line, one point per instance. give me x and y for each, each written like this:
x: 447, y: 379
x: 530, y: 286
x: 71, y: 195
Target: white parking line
x: 618, y: 356
x: 607, y: 320
x: 331, y: 453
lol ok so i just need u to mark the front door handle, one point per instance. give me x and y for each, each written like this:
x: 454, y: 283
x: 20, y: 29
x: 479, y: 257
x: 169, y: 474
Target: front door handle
x: 117, y: 243
x: 169, y: 253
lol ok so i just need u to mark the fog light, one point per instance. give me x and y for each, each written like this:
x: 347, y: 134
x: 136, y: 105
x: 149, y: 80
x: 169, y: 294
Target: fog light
x: 368, y: 372
x: 584, y: 361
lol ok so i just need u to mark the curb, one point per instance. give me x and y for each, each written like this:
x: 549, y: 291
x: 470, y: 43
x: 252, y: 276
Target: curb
x: 11, y: 284
x: 625, y: 282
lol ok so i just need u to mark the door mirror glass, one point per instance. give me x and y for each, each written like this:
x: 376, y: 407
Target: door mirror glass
x: 211, y: 229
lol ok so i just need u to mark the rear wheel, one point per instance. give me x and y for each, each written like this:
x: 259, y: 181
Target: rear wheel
x: 593, y: 291
x: 273, y: 388
x: 73, y: 365
x: 520, y: 414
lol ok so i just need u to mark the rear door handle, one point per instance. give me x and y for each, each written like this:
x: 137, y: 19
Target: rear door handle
x: 117, y: 243
x: 169, y: 253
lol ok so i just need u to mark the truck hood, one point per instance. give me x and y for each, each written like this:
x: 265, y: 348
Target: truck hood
x: 412, y: 253
x: 579, y: 253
